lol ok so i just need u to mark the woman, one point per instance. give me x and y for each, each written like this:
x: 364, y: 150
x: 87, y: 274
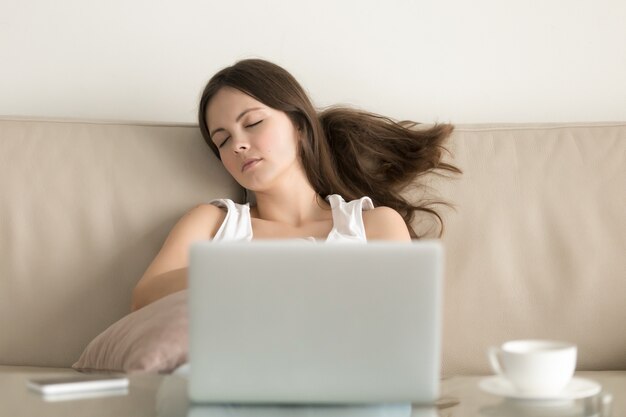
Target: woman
x: 336, y: 175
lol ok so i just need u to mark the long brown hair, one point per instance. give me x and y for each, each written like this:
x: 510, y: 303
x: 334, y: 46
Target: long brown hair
x: 345, y: 151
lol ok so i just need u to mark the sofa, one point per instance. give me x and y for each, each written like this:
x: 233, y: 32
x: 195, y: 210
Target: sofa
x: 534, y: 237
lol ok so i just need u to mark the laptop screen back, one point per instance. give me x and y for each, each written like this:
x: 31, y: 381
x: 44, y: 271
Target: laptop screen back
x: 296, y: 322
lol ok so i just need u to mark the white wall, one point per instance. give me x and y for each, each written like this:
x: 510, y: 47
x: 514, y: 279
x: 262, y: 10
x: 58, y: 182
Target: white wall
x: 433, y: 60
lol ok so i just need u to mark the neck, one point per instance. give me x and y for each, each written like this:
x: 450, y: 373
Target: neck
x: 295, y: 205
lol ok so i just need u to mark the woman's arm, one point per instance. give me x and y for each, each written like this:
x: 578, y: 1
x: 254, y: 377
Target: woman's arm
x: 168, y: 271
x: 384, y: 223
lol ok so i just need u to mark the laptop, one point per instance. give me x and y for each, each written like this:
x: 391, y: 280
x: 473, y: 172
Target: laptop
x: 295, y: 322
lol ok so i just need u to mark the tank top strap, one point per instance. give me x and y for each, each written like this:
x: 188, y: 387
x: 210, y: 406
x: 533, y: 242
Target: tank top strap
x: 237, y: 225
x: 348, y: 218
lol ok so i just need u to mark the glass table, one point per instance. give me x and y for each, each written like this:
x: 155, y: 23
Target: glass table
x: 165, y: 395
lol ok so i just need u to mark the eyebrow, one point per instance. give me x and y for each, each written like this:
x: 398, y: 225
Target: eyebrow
x: 219, y: 129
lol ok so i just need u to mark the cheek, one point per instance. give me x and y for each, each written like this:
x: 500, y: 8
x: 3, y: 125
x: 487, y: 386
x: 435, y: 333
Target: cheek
x: 230, y: 165
x: 278, y: 143
x: 274, y: 141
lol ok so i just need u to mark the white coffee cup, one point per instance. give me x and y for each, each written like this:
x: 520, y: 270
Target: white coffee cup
x: 535, y: 366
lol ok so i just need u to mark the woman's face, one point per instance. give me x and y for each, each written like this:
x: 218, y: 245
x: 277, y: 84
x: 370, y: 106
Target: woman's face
x: 257, y: 144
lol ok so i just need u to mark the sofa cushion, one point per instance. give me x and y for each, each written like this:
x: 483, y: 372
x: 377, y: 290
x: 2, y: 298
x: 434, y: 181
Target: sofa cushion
x: 151, y: 339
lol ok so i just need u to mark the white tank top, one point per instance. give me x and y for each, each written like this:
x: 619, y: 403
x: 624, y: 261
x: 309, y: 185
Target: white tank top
x: 347, y: 227
x: 347, y: 220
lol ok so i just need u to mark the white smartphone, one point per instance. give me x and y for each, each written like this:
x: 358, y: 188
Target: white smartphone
x: 77, y: 384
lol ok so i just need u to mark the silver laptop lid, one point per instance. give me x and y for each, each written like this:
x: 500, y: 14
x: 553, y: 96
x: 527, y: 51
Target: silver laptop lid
x: 295, y: 322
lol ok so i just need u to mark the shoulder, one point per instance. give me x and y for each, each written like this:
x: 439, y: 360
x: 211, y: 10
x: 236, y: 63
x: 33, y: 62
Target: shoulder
x: 205, y: 217
x: 384, y: 223
x: 204, y: 211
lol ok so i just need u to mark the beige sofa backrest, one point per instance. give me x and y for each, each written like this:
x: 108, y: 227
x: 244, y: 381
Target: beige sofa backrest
x: 85, y: 207
x: 535, y: 247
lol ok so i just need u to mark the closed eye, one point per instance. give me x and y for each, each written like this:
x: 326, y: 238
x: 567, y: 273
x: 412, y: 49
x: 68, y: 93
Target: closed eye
x: 254, y: 124
x: 224, y: 142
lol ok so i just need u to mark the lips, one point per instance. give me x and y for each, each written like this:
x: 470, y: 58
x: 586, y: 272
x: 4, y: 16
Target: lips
x: 249, y: 163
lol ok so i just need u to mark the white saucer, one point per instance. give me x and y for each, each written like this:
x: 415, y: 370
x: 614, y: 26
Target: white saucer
x: 577, y: 388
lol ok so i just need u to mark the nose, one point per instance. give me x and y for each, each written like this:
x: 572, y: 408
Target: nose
x: 240, y: 144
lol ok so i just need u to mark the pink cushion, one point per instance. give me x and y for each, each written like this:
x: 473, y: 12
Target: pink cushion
x: 151, y: 339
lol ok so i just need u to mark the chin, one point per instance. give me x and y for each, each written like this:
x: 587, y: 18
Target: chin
x: 256, y: 184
